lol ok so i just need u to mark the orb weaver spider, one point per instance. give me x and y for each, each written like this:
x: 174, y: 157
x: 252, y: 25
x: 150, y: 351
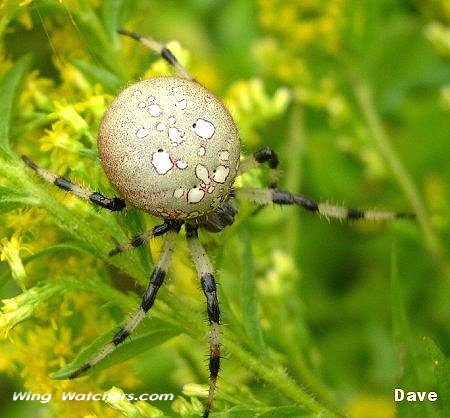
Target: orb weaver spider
x: 172, y: 149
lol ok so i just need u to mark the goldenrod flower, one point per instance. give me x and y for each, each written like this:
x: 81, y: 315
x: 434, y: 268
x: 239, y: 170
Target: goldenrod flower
x: 10, y: 251
x: 119, y: 402
x: 251, y: 106
x: 19, y: 308
x: 68, y: 114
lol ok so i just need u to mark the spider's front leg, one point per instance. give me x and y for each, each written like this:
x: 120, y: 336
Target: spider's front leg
x: 264, y: 155
x: 159, y: 49
x: 142, y: 238
x: 113, y: 204
x: 156, y: 280
x: 280, y: 197
x: 205, y: 273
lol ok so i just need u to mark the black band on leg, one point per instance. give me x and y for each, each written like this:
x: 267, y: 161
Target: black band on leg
x: 285, y: 198
x: 80, y: 371
x: 64, y: 184
x: 120, y: 337
x: 168, y: 56
x: 267, y: 154
x: 133, y: 35
x: 210, y: 291
x: 29, y: 163
x: 114, y: 204
x: 156, y: 281
x: 355, y: 213
x: 191, y: 231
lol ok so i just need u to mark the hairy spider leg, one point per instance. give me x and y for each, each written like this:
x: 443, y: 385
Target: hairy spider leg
x: 156, y: 280
x: 112, y: 204
x: 264, y: 155
x: 159, y: 49
x: 205, y: 274
x: 142, y: 238
x: 280, y: 197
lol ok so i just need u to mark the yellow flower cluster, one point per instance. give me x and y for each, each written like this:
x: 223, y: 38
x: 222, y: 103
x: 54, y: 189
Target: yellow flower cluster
x: 251, y: 106
x: 304, y: 24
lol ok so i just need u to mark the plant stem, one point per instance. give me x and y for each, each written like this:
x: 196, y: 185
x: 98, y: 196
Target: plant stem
x: 381, y: 140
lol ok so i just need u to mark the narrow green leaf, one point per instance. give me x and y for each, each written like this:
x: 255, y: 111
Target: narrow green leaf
x: 150, y: 334
x: 13, y: 199
x: 112, y: 11
x: 249, y: 305
x: 67, y: 246
x: 441, y: 370
x: 9, y: 91
x: 415, y: 368
x: 95, y: 74
x: 286, y: 411
x: 265, y: 412
x: 401, y: 331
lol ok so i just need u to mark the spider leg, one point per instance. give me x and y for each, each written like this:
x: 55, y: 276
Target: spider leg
x: 264, y: 155
x: 156, y: 280
x: 141, y: 239
x: 112, y: 204
x: 205, y: 273
x: 280, y: 197
x: 160, y: 49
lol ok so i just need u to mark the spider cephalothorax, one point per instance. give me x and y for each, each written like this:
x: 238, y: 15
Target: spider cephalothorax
x: 172, y: 149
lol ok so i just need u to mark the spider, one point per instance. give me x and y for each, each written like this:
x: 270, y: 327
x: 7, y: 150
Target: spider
x: 172, y: 149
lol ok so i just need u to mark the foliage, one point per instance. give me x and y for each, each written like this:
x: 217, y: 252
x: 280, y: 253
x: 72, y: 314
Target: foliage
x: 319, y: 319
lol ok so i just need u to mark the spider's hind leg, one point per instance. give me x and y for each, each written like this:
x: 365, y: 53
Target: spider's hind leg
x: 280, y: 197
x: 159, y: 49
x: 205, y: 273
x: 110, y: 203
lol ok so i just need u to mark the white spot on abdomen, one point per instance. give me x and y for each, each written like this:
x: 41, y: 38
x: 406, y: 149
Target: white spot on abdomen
x: 178, y: 193
x: 195, y: 195
x: 203, y: 128
x: 181, y: 164
x: 181, y: 104
x: 201, y: 151
x: 155, y: 110
x: 136, y: 93
x: 160, y: 127
x: 202, y: 173
x: 141, y: 133
x: 224, y: 155
x: 162, y: 162
x: 221, y: 174
x: 172, y: 120
x: 176, y: 136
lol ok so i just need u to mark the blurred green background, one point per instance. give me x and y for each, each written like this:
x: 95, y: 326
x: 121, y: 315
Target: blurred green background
x: 319, y: 317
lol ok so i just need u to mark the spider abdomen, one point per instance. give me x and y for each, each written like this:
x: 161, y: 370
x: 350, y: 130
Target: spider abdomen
x: 170, y: 147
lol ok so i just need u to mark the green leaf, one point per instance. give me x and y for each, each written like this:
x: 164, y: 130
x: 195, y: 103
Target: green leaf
x: 14, y: 199
x: 401, y: 331
x: 95, y: 74
x: 441, y: 371
x: 286, y: 411
x: 9, y: 90
x: 416, y: 364
x: 264, y: 412
x: 151, y: 333
x: 249, y: 305
x: 112, y: 16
